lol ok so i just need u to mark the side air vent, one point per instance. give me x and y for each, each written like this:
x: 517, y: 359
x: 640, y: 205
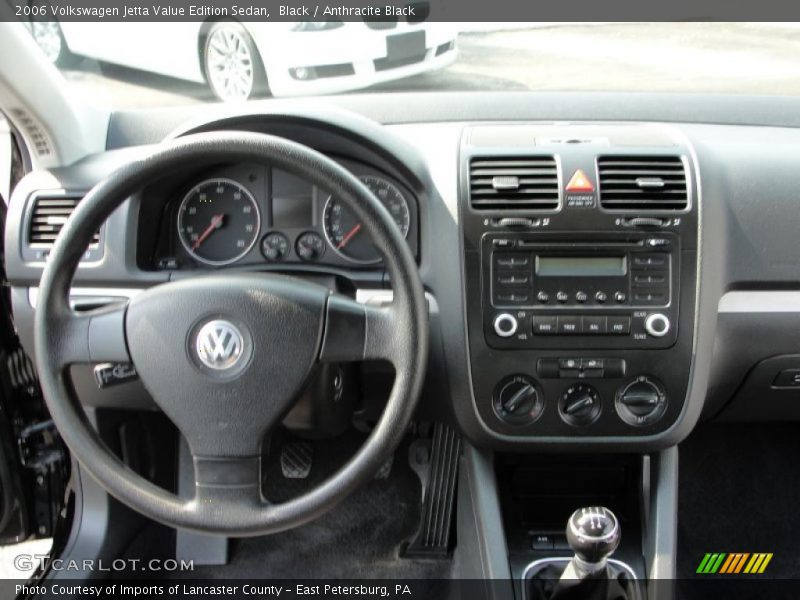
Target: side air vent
x: 513, y: 183
x: 642, y: 183
x: 49, y: 215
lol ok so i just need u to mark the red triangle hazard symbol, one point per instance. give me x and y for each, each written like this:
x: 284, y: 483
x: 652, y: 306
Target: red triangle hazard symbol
x: 580, y: 183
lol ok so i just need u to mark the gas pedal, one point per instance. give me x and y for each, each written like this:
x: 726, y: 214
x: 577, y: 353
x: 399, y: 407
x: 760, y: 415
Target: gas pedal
x: 297, y: 458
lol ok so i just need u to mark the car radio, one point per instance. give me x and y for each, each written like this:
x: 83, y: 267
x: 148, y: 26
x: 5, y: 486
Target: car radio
x: 555, y: 290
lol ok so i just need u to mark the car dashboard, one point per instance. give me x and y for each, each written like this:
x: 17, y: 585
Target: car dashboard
x: 594, y: 281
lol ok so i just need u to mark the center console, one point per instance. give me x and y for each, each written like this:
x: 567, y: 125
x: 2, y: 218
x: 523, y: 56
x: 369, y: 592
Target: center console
x: 580, y: 257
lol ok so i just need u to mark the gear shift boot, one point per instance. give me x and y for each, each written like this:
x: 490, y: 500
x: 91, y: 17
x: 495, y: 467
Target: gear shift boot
x: 544, y: 582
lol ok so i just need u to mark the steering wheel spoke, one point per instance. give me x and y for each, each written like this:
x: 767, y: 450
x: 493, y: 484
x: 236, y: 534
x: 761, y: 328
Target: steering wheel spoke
x: 222, y: 481
x: 94, y: 336
x: 356, y: 332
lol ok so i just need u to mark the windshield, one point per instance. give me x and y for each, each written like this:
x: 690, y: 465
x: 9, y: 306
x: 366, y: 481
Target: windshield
x: 185, y: 63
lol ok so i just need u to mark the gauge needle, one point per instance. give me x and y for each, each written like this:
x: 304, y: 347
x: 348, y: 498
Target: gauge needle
x: 216, y: 221
x: 349, y: 236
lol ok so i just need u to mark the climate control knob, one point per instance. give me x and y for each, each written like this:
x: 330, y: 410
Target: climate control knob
x: 657, y: 325
x: 518, y: 400
x: 505, y: 325
x: 580, y: 405
x: 641, y: 402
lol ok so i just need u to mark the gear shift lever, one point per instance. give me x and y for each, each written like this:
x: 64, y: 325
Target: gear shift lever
x: 593, y: 534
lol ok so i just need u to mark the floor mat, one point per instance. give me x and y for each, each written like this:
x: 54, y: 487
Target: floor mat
x: 738, y: 492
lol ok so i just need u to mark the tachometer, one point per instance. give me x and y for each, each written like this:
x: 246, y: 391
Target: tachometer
x: 344, y: 231
x: 218, y: 221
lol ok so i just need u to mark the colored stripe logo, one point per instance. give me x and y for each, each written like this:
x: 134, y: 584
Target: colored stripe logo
x: 734, y: 563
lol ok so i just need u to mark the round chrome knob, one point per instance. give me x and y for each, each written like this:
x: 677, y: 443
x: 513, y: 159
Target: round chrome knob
x: 505, y: 325
x: 593, y: 534
x: 656, y: 325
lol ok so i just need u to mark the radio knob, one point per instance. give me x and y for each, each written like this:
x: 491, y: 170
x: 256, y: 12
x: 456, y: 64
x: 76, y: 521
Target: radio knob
x: 657, y: 325
x: 505, y: 325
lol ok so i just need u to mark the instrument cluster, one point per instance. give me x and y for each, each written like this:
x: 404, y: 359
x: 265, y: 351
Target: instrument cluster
x: 249, y: 214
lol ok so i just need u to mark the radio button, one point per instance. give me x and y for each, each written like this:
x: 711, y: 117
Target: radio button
x: 656, y: 299
x: 601, y: 297
x: 511, y: 261
x: 516, y: 298
x: 650, y: 260
x: 512, y: 279
x: 620, y: 297
x: 562, y: 297
x: 569, y: 325
x: 581, y: 297
x: 543, y: 297
x: 544, y: 325
x: 595, y: 325
x: 619, y: 325
x: 505, y: 325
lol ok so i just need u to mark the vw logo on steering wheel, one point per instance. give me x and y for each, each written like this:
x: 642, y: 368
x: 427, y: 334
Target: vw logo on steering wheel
x: 219, y: 345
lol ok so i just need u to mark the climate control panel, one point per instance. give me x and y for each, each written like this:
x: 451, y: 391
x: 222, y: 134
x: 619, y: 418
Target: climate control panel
x: 519, y: 399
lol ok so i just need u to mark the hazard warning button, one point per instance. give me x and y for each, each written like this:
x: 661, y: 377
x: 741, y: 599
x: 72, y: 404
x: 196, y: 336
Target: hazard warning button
x: 580, y: 183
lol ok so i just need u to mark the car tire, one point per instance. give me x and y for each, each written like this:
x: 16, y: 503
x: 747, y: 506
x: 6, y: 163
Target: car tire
x: 232, y: 64
x: 50, y: 39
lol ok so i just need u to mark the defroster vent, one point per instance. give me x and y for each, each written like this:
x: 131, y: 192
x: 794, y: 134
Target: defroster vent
x: 513, y: 183
x: 643, y: 183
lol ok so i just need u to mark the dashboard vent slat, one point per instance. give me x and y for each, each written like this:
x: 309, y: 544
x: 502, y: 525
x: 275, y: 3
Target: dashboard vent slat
x: 513, y: 183
x: 49, y: 216
x: 642, y: 183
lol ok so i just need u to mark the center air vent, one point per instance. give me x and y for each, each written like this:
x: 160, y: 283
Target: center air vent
x: 642, y: 183
x: 513, y: 183
x: 49, y: 215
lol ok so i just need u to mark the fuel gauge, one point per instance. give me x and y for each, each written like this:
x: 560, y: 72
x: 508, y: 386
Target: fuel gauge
x: 275, y: 246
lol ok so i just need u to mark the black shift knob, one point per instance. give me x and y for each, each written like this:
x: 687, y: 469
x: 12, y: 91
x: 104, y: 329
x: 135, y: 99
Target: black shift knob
x: 593, y: 534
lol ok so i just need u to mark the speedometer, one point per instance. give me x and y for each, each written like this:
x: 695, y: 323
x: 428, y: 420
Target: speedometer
x: 344, y: 231
x: 218, y: 221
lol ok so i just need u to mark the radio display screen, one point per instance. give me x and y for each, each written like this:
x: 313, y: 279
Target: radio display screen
x: 581, y: 266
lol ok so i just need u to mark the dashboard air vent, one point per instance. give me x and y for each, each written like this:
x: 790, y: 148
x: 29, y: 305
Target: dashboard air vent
x: 642, y: 183
x: 513, y: 183
x: 49, y: 215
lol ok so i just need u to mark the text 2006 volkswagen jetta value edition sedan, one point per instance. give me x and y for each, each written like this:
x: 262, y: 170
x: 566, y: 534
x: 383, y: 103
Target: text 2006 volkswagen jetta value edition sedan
x: 497, y: 344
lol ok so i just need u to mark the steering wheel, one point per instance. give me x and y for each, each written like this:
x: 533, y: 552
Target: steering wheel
x: 225, y: 355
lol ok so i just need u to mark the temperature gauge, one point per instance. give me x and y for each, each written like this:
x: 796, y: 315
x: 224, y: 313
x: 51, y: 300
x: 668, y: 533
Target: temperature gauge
x: 310, y: 246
